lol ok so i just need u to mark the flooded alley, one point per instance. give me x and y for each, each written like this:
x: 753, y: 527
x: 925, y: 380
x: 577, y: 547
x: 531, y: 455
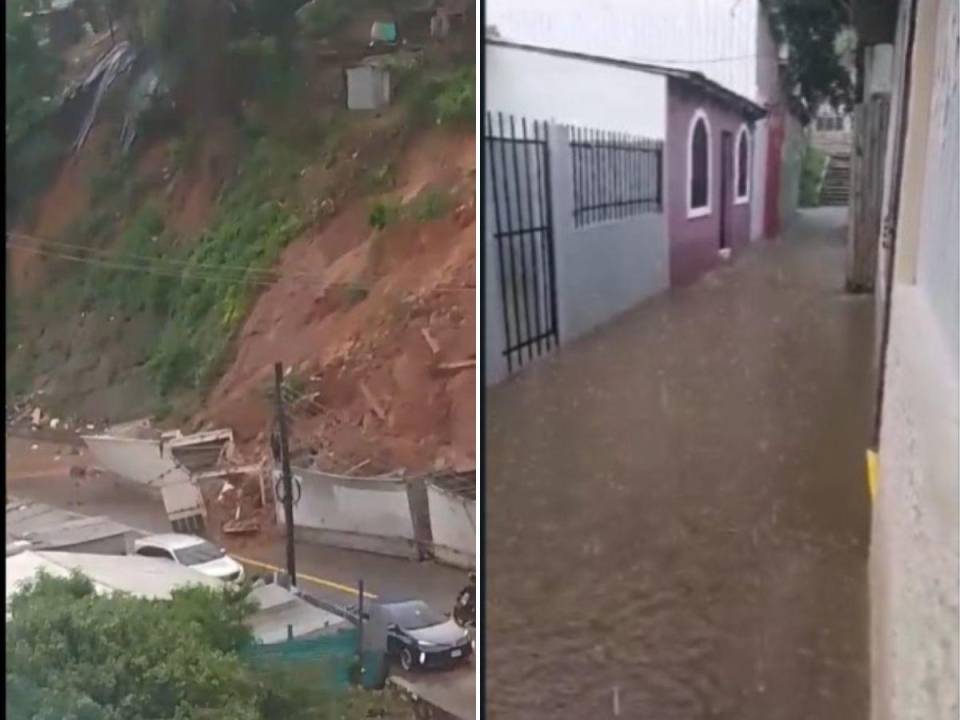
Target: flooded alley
x: 677, y: 515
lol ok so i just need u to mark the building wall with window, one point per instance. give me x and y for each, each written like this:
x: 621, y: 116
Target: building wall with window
x: 700, y: 221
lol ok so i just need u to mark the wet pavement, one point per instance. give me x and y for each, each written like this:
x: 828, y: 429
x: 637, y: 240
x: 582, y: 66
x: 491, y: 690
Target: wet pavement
x: 42, y: 475
x: 676, y: 505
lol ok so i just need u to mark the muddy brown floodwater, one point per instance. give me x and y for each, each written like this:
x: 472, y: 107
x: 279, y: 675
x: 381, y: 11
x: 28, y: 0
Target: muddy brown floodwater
x: 676, y: 506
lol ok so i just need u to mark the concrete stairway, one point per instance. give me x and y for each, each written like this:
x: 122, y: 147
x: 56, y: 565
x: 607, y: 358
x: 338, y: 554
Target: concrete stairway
x: 836, y: 183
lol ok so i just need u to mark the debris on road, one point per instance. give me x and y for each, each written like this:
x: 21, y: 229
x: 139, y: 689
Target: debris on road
x: 242, y: 527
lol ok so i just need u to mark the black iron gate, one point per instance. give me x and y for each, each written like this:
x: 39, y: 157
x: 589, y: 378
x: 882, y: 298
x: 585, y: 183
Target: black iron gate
x: 519, y: 166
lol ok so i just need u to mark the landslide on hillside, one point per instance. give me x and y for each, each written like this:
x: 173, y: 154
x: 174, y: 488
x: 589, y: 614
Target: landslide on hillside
x: 341, y: 244
x: 357, y: 314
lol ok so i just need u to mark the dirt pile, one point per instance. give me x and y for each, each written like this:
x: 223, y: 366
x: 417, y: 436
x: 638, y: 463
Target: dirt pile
x: 377, y: 326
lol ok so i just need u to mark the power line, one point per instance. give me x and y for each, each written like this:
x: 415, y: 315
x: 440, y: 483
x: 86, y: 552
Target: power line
x: 156, y: 260
x: 184, y: 273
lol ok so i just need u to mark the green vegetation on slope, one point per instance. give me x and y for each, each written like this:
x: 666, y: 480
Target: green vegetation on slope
x: 179, y: 301
x: 440, y: 96
x: 813, y: 163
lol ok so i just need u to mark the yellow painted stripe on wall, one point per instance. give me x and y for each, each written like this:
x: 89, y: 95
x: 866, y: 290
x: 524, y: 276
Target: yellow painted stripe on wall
x: 872, y: 473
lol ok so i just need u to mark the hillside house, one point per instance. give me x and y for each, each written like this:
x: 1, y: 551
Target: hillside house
x: 607, y: 181
x: 731, y: 44
x: 708, y: 131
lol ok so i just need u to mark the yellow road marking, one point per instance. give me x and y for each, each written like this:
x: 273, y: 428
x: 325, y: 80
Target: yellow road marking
x: 872, y: 473
x: 308, y: 578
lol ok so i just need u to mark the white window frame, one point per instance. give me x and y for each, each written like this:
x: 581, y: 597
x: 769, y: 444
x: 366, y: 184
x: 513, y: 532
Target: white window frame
x: 743, y: 135
x: 704, y: 211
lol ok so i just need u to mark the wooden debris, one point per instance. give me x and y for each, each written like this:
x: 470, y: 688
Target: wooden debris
x: 457, y: 366
x: 372, y: 401
x: 358, y: 466
x: 434, y: 348
x: 239, y: 527
x: 454, y: 288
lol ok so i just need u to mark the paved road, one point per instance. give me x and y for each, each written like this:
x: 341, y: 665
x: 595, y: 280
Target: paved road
x: 676, y: 506
x: 43, y: 475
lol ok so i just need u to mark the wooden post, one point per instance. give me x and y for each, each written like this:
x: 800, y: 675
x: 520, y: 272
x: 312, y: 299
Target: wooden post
x: 866, y: 192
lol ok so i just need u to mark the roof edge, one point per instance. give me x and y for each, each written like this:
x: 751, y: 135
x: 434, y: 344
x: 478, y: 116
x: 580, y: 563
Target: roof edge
x: 749, y: 107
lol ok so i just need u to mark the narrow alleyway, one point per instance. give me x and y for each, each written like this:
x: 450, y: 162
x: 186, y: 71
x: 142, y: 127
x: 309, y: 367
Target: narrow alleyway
x: 676, y: 506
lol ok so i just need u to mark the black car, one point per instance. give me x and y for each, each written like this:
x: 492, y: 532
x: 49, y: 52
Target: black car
x: 422, y: 638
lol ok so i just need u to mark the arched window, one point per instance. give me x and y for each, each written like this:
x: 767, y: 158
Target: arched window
x: 742, y: 164
x: 698, y: 166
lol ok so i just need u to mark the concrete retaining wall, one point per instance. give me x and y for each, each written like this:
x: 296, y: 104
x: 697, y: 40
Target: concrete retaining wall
x: 371, y: 514
x: 453, y: 523
x: 142, y: 461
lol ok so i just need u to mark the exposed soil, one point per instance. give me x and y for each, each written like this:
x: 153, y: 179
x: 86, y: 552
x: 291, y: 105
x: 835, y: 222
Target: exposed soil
x: 192, y: 192
x: 348, y: 315
x: 66, y: 201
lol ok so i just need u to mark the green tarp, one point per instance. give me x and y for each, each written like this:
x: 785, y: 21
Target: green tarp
x: 384, y: 32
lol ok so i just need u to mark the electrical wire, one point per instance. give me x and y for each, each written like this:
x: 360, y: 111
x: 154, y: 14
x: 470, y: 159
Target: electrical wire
x: 184, y: 273
x: 147, y: 258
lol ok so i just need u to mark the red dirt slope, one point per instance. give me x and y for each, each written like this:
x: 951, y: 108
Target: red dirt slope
x: 349, y: 315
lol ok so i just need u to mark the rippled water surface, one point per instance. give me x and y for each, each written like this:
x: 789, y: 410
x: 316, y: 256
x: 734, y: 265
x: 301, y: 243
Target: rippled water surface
x: 676, y: 507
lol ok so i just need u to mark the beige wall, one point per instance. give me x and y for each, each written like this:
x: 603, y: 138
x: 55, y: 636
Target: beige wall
x: 914, y: 561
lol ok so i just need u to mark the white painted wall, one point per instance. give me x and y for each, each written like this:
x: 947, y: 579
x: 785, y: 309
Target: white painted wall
x: 453, y: 522
x: 758, y: 180
x: 578, y: 92
x: 716, y: 37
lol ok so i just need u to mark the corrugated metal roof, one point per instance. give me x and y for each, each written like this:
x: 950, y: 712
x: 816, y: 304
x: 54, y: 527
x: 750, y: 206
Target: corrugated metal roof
x: 279, y: 608
x: 140, y: 576
x: 49, y: 527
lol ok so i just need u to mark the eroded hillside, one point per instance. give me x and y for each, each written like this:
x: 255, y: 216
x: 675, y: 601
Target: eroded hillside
x: 282, y: 227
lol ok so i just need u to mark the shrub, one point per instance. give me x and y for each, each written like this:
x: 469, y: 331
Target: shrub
x: 812, y: 169
x: 431, y: 205
x: 455, y: 101
x: 383, y: 213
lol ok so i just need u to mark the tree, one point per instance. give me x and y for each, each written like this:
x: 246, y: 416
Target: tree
x: 810, y: 29
x: 72, y: 654
x: 31, y: 74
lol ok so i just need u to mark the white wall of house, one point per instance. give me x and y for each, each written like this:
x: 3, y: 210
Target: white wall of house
x: 577, y: 92
x: 729, y: 42
x: 914, y: 558
x: 767, y: 93
x: 718, y: 39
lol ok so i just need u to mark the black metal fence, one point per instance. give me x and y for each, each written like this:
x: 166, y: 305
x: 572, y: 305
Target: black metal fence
x: 614, y: 175
x: 519, y: 171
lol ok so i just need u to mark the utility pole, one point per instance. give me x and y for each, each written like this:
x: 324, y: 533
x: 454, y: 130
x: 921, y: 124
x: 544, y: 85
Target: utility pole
x: 360, y: 623
x: 287, y: 476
